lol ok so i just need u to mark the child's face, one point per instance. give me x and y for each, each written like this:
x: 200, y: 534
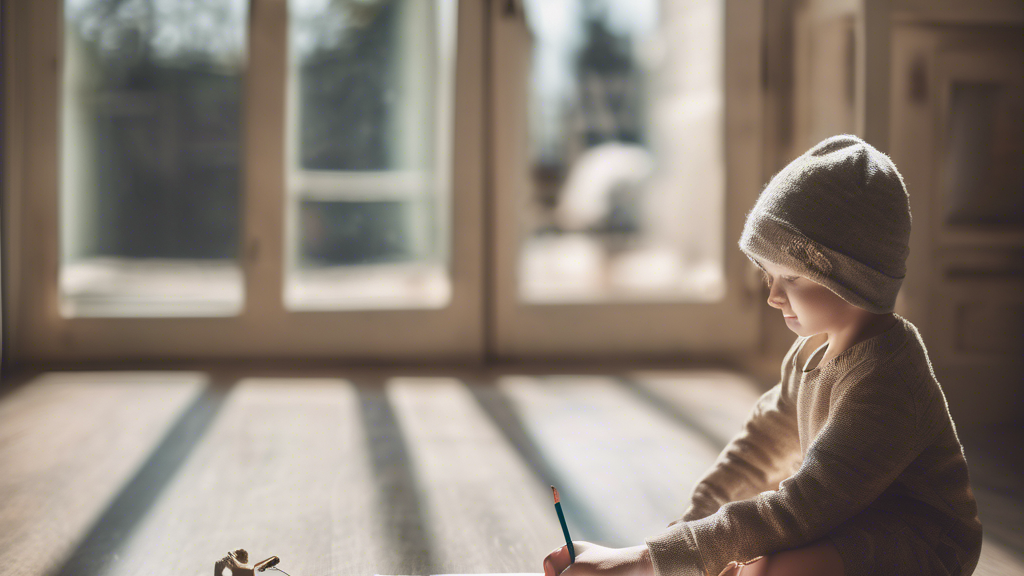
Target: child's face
x: 808, y: 307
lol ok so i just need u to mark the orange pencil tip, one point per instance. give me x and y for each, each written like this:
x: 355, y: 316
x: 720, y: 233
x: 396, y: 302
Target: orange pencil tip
x: 555, y: 490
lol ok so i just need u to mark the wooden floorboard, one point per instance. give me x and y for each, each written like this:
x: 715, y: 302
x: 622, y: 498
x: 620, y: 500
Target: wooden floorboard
x: 284, y: 471
x: 629, y: 466
x: 117, y: 473
x: 486, y: 510
x: 69, y: 444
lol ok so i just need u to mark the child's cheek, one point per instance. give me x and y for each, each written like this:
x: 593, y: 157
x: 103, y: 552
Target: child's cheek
x: 819, y: 304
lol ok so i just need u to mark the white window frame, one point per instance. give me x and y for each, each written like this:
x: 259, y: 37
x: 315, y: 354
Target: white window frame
x: 265, y: 328
x: 483, y: 320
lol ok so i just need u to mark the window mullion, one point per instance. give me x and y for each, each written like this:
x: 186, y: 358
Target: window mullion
x: 264, y: 176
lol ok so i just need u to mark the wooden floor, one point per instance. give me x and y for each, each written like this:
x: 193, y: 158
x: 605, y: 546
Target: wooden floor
x: 126, y: 473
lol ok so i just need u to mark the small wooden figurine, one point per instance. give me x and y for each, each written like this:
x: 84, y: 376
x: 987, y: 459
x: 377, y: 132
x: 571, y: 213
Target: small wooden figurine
x: 236, y: 564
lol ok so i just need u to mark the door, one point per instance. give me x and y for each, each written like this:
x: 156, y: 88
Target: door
x: 626, y: 139
x: 381, y: 181
x: 245, y: 179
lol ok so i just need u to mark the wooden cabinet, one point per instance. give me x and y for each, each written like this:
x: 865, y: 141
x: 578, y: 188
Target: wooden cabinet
x: 957, y: 135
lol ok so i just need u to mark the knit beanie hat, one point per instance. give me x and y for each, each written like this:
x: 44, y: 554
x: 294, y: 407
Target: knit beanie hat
x: 840, y: 216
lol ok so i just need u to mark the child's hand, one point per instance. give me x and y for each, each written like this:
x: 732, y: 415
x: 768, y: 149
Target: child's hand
x: 594, y: 560
x: 754, y: 567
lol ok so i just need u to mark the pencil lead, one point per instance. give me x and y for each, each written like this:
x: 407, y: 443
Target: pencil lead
x: 555, y: 490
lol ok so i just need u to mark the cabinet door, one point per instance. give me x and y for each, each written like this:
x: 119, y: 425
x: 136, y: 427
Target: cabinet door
x: 958, y: 137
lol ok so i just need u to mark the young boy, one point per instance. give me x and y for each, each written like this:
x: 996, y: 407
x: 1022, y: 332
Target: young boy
x: 851, y: 464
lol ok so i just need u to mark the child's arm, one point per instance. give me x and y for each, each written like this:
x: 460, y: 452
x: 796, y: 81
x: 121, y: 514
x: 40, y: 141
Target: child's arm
x: 763, y: 454
x: 870, y: 438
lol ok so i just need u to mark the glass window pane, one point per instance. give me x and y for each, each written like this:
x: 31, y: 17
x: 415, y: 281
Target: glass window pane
x: 151, y: 111
x: 370, y: 96
x: 626, y: 135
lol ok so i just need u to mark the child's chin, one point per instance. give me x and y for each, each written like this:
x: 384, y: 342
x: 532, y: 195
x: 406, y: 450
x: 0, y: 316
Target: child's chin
x: 797, y: 329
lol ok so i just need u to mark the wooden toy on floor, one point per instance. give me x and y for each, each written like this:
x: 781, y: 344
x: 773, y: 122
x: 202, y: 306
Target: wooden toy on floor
x: 235, y: 564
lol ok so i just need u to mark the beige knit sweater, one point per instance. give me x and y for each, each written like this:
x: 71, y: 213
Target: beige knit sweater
x: 860, y: 450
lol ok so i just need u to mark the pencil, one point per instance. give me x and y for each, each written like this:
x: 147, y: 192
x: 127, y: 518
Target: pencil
x: 565, y: 529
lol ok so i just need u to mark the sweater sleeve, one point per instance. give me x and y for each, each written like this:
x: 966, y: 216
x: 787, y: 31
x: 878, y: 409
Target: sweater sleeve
x: 869, y: 438
x: 764, y: 453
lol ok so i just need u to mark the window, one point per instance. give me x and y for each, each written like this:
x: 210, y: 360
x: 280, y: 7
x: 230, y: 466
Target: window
x: 627, y: 156
x: 151, y: 157
x: 377, y: 179
x: 369, y: 91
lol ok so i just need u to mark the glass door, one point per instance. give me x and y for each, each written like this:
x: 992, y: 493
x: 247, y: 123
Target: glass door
x: 247, y: 179
x: 627, y: 151
x: 316, y: 179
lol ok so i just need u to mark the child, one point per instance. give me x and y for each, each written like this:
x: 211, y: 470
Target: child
x: 851, y: 464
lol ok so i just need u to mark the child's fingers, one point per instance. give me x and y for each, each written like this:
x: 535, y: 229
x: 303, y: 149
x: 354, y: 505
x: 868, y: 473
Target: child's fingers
x: 731, y: 569
x: 556, y: 561
x: 756, y: 567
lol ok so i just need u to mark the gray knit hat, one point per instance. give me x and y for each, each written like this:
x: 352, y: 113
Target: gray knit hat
x: 839, y: 215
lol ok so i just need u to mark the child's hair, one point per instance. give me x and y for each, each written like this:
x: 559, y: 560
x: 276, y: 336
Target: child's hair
x: 839, y: 215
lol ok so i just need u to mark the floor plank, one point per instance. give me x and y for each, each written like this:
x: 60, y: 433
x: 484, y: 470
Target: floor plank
x: 714, y: 403
x: 632, y: 467
x: 284, y: 471
x: 486, y: 511
x: 69, y: 442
